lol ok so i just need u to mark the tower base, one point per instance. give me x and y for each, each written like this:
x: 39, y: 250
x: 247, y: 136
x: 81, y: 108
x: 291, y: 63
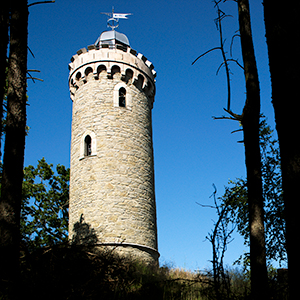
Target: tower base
x: 137, y: 252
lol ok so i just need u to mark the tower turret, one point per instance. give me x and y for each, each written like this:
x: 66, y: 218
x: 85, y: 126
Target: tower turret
x: 112, y: 174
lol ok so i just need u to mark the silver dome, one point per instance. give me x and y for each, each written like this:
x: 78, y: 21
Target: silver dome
x: 112, y: 37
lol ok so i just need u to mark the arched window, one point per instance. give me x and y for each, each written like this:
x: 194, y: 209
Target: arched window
x: 140, y: 82
x: 87, y: 71
x: 115, y: 70
x: 78, y: 76
x: 128, y: 75
x: 100, y: 69
x: 87, y: 146
x: 122, y: 97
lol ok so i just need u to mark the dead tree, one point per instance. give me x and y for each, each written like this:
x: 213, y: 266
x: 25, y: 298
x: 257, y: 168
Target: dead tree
x: 219, y: 238
x: 250, y: 123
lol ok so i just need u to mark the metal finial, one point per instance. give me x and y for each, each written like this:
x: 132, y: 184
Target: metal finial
x: 113, y: 20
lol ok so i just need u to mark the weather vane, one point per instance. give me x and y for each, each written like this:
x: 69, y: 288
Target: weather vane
x: 113, y: 21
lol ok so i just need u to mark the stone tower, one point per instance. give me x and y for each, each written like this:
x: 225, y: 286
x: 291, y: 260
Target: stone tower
x: 112, y: 199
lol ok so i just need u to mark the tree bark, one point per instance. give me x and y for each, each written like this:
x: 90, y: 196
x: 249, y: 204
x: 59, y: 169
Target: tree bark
x: 4, y: 25
x: 12, y: 177
x: 250, y: 122
x: 282, y: 25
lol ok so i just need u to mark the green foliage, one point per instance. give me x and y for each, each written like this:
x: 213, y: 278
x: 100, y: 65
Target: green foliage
x: 44, y: 211
x: 272, y: 192
x: 236, y: 197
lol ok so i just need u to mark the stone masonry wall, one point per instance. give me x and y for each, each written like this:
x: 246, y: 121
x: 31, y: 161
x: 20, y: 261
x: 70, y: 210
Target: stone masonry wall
x: 112, y: 190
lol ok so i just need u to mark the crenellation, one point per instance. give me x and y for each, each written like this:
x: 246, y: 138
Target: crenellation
x: 137, y: 63
x: 82, y: 50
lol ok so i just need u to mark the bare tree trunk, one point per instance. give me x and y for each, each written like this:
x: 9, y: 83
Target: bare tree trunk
x: 4, y: 23
x: 11, y: 185
x: 250, y: 122
x: 282, y: 24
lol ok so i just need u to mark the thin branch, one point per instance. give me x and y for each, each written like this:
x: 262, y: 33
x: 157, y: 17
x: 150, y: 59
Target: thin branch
x: 218, y: 22
x: 236, y: 61
x: 234, y: 131
x: 203, y: 205
x: 217, y: 2
x: 40, y: 2
x: 220, y: 66
x: 30, y: 52
x: 220, y: 13
x: 223, y: 16
x: 33, y: 71
x: 216, y: 48
x: 234, y: 115
x: 33, y: 78
x: 231, y: 44
x: 229, y: 59
x: 225, y: 118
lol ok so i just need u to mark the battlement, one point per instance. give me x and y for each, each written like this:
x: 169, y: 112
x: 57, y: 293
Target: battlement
x: 89, y: 63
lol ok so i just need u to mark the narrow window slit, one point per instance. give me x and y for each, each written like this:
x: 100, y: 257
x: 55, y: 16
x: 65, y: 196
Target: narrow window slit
x: 87, y: 146
x: 122, y: 97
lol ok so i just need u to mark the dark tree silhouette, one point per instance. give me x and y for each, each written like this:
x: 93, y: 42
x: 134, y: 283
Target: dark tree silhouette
x: 11, y: 186
x: 250, y: 122
x: 4, y: 25
x: 282, y: 25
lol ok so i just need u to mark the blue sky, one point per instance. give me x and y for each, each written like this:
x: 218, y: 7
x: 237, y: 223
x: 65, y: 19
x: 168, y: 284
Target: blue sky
x: 191, y: 150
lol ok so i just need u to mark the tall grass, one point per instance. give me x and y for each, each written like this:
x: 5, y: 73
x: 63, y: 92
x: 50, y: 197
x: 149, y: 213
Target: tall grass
x: 80, y: 272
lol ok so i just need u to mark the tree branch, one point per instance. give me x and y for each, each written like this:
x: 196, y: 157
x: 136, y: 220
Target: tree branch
x: 203, y: 205
x: 229, y: 59
x: 232, y: 42
x: 40, y: 2
x: 221, y: 15
x: 33, y: 78
x: 233, y: 116
x: 30, y: 52
x: 216, y: 48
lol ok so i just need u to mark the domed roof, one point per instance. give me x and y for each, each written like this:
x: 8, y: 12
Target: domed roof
x: 112, y: 37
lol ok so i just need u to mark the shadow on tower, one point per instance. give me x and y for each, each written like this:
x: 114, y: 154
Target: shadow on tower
x: 84, y: 234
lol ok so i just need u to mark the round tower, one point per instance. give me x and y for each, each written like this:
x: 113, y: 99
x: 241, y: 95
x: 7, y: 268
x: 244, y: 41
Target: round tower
x: 112, y: 199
